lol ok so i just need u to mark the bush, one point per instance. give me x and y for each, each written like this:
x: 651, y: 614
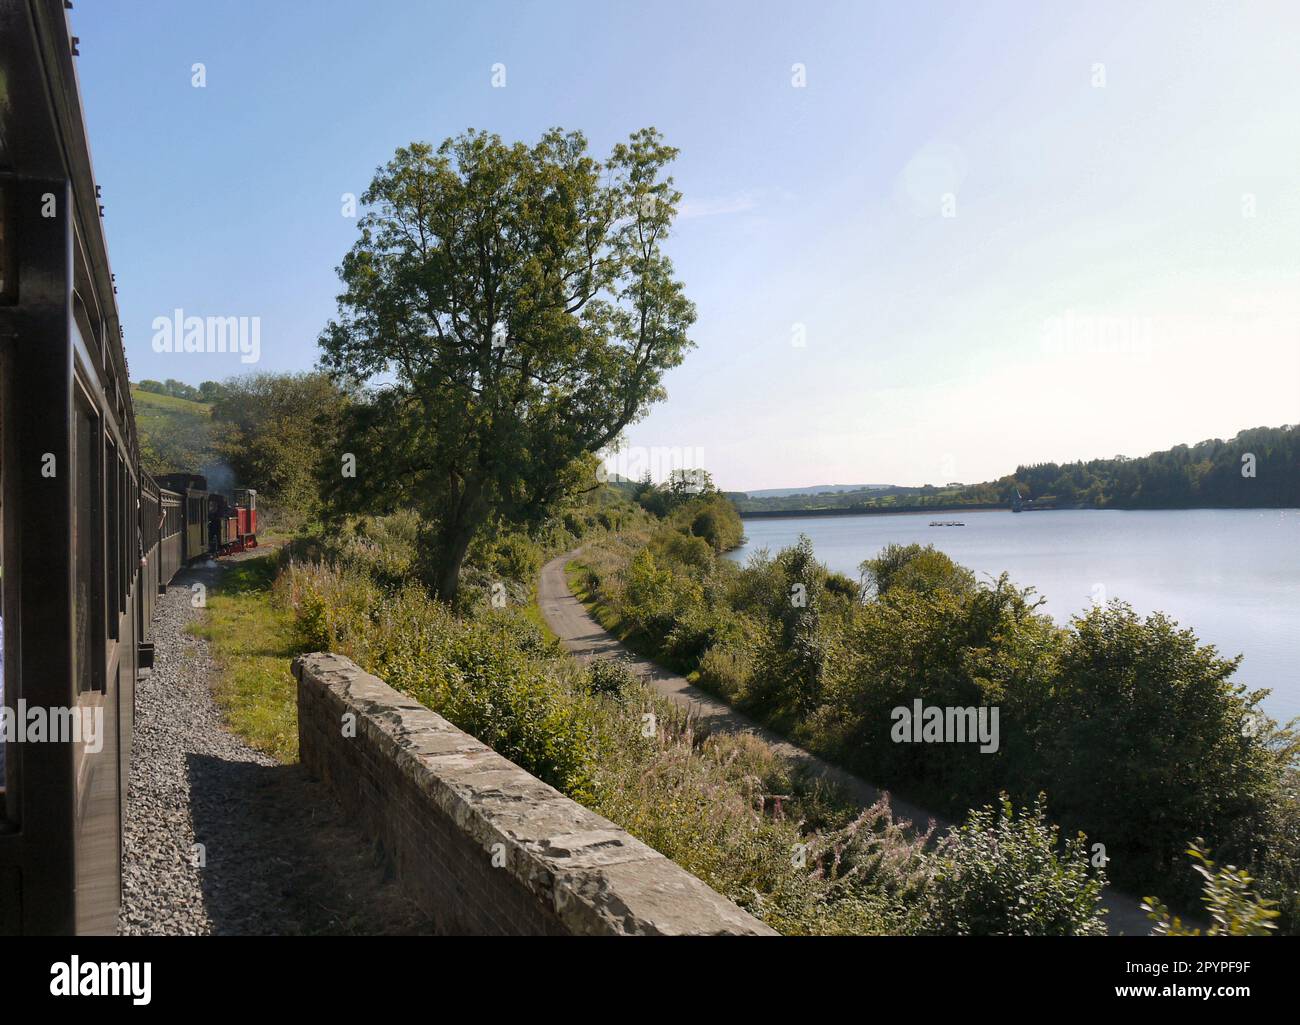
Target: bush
x: 921, y: 568
x: 726, y: 670
x: 1171, y: 748
x: 984, y: 648
x: 684, y: 552
x: 511, y: 556
x: 694, y: 629
x: 611, y: 677
x: 1003, y: 874
x: 715, y: 519
x: 655, y: 598
x: 1233, y: 908
x: 843, y: 587
x: 483, y: 674
x: 1136, y: 730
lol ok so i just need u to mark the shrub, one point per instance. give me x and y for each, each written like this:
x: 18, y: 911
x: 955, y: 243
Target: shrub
x: 1003, y: 874
x: 694, y: 629
x: 725, y: 670
x: 921, y: 568
x: 1233, y: 908
x: 655, y: 597
x: 842, y: 587
x: 611, y: 677
x: 1151, y: 744
x: 482, y: 674
x: 511, y: 556
x: 983, y: 648
x: 715, y: 519
x: 684, y: 552
x: 1136, y: 730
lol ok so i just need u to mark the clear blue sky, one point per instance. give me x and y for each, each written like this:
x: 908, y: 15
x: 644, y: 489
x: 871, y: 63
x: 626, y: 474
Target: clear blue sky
x: 1101, y: 288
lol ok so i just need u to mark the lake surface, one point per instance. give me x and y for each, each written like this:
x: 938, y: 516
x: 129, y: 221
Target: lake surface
x: 1232, y: 576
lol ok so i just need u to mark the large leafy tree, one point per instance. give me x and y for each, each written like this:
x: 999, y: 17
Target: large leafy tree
x: 271, y: 430
x: 513, y: 309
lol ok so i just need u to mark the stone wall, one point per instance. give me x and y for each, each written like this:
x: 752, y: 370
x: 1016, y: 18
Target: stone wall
x: 479, y: 844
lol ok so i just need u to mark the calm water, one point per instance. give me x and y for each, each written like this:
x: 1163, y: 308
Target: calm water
x: 1233, y: 576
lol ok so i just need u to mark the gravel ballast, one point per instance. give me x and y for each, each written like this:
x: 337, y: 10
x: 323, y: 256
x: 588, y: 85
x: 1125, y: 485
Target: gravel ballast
x: 277, y: 855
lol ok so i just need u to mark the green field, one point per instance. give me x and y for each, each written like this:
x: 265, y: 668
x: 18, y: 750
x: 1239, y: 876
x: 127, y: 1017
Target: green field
x: 175, y: 434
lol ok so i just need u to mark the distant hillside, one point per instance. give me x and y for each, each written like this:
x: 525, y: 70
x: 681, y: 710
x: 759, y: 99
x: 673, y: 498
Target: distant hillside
x: 1257, y: 469
x: 816, y: 489
x: 865, y: 497
x: 620, y: 483
x: 175, y: 434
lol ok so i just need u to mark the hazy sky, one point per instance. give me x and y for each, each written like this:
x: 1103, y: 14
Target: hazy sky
x: 979, y: 235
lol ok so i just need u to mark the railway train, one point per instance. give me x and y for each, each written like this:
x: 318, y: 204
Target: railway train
x: 88, y: 539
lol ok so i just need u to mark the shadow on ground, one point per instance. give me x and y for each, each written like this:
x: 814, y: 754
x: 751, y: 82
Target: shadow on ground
x: 281, y: 858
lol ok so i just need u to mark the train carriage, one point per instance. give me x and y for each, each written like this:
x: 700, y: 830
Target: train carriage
x: 193, y: 489
x: 88, y: 540
x: 71, y: 492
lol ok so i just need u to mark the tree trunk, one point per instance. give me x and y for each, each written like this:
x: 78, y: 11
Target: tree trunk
x: 450, y: 557
x: 458, y: 531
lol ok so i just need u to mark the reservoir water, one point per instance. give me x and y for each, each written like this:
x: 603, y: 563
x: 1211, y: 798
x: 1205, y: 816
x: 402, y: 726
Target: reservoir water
x: 1232, y: 576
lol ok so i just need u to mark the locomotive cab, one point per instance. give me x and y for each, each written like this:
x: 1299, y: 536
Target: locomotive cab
x: 246, y: 516
x: 232, y: 524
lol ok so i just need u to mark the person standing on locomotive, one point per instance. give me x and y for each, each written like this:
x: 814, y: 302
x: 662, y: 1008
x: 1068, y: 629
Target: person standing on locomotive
x: 214, y: 525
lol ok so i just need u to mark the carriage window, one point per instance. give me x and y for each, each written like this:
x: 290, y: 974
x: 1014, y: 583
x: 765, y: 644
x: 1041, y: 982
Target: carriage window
x: 84, y: 532
x: 8, y: 253
x: 113, y: 534
x: 126, y: 516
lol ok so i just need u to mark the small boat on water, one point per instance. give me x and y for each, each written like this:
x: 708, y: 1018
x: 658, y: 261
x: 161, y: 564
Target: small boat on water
x: 947, y: 523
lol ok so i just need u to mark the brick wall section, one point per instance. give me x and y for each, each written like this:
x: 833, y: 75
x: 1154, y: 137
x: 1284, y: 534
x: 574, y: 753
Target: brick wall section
x: 438, y: 802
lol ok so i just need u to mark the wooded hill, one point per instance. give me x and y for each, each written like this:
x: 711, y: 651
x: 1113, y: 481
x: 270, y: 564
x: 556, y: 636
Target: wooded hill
x: 1259, y: 468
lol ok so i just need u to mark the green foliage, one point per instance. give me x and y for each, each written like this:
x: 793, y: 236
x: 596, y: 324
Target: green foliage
x: 791, y: 657
x: 206, y: 392
x: 689, y: 503
x: 175, y: 433
x: 1007, y: 874
x: 651, y: 598
x: 915, y: 567
x: 1205, y: 475
x: 1171, y: 749
x: 480, y: 673
x: 274, y: 431
x: 726, y: 671
x: 1226, y: 893
x: 521, y: 301
x: 726, y: 807
x: 611, y: 677
x: 1209, y: 473
x: 1138, y: 732
x: 716, y: 521
x: 986, y: 647
x: 1273, y: 852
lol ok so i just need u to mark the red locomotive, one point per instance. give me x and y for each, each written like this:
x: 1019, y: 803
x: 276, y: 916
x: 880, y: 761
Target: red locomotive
x: 232, y: 525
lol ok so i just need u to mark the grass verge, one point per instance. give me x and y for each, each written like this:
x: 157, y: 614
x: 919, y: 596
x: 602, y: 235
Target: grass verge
x: 252, y: 640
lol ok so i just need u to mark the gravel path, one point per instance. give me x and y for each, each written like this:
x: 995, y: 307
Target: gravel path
x: 278, y: 857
